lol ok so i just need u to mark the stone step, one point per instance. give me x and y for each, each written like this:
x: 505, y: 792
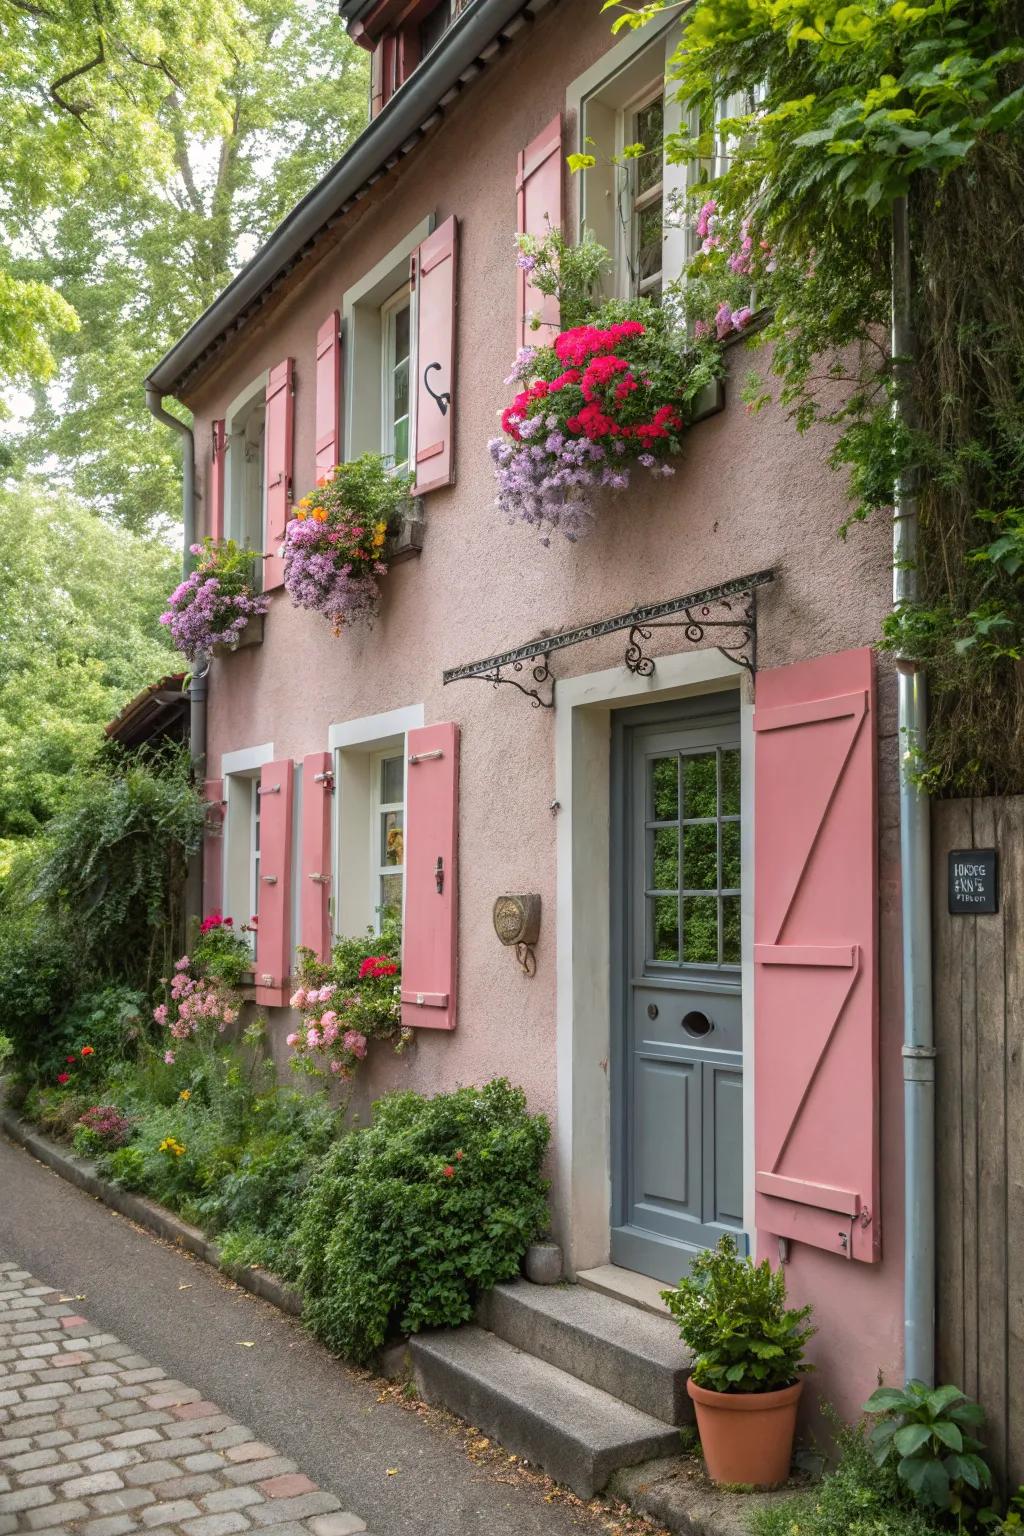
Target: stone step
x: 577, y: 1433
x: 630, y: 1354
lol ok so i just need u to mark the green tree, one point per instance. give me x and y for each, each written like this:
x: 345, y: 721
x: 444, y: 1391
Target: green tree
x: 79, y: 635
x: 137, y: 209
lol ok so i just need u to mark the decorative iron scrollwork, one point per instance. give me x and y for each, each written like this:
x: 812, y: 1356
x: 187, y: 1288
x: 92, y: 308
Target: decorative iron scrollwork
x: 739, y: 616
x: 540, y: 672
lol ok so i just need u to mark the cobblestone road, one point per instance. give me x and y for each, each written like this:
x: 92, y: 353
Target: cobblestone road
x: 95, y: 1441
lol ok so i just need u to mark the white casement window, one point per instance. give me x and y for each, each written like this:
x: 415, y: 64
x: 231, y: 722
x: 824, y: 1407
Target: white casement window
x: 396, y: 378
x: 380, y: 329
x: 643, y: 199
x: 387, y: 833
x: 241, y: 868
x: 369, y: 809
x: 245, y: 491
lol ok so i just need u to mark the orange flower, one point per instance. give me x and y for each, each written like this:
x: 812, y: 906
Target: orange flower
x: 87, y: 1050
x: 319, y: 515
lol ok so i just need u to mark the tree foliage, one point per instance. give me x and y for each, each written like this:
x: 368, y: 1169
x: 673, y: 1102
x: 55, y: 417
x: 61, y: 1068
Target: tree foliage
x: 856, y: 106
x: 135, y: 192
x: 79, y: 635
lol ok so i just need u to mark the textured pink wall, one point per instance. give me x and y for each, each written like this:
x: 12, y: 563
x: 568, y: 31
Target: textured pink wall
x: 748, y: 493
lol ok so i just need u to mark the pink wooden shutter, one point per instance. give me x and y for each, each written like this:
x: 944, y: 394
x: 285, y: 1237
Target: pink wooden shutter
x: 429, y: 936
x: 328, y: 392
x: 273, y: 933
x: 538, y: 209
x: 213, y: 847
x: 432, y: 274
x: 314, y: 898
x: 215, y: 492
x: 815, y: 958
x: 278, y: 431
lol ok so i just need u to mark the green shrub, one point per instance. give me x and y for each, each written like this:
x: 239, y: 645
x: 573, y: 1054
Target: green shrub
x: 857, y: 1499
x: 733, y: 1315
x: 408, y: 1220
x: 925, y: 1433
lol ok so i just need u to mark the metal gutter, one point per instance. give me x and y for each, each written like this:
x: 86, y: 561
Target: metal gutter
x: 915, y: 877
x: 474, y: 39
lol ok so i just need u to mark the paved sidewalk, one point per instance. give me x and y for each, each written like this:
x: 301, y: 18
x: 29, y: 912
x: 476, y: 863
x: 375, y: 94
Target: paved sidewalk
x: 96, y: 1440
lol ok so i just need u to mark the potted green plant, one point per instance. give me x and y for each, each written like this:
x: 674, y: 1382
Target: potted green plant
x: 748, y: 1351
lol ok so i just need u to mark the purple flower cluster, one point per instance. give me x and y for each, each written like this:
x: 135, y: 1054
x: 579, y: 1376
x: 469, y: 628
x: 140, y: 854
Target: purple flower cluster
x: 203, y: 612
x: 108, y: 1123
x: 548, y: 479
x: 316, y: 580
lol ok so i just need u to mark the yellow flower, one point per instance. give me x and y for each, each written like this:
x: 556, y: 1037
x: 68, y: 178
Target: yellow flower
x: 171, y: 1145
x: 380, y: 528
x: 185, y: 1094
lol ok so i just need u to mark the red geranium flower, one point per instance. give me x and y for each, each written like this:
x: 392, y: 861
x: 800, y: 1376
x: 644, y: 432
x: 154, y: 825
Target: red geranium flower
x: 63, y: 1077
x: 448, y: 1171
x: 71, y: 1060
x: 88, y: 1050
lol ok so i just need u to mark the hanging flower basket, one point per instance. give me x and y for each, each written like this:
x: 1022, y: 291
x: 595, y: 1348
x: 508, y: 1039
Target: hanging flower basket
x: 335, y: 543
x: 600, y: 400
x: 213, y: 605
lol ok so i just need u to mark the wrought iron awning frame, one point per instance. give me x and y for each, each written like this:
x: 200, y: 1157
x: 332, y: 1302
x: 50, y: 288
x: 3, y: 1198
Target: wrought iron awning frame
x: 729, y: 607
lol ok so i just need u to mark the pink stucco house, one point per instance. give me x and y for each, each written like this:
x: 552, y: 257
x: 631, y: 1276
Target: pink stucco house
x: 718, y: 1054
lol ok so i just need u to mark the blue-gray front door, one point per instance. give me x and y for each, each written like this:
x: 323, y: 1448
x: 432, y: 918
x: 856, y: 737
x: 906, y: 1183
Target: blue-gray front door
x: 678, y: 1063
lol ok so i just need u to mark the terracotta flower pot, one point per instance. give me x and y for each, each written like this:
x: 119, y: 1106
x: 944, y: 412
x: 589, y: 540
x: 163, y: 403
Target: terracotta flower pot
x: 747, y: 1437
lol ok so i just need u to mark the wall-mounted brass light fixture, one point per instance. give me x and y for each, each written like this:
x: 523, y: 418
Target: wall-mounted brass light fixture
x: 517, y: 924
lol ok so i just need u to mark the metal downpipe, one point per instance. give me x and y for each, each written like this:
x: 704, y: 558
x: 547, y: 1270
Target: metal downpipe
x: 201, y: 666
x: 915, y: 876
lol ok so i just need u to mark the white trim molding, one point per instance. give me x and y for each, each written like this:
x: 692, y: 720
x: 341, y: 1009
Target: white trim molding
x: 372, y: 728
x: 582, y: 1144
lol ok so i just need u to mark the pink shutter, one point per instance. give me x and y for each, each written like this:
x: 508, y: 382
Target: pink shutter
x: 215, y: 491
x: 213, y: 847
x: 328, y: 393
x: 538, y: 209
x: 278, y: 431
x: 273, y: 933
x: 815, y: 957
x: 314, y: 898
x: 429, y: 936
x: 432, y: 274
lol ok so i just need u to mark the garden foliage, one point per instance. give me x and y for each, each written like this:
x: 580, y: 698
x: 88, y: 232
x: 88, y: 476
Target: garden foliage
x: 927, y: 1435
x: 347, y: 1001
x: 408, y: 1220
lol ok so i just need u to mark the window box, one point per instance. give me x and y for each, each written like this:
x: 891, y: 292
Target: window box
x: 408, y: 541
x: 252, y: 634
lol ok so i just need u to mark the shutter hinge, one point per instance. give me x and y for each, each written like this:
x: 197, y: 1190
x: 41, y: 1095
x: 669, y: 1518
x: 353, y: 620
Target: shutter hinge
x: 425, y: 757
x: 321, y: 879
x: 271, y: 789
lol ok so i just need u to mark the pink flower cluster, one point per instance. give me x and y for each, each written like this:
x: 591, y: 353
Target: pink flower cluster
x: 322, y: 1031
x: 746, y: 260
x: 194, y: 1000
x: 108, y: 1123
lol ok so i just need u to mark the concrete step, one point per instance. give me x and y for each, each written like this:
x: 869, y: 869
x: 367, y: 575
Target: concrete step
x: 630, y: 1354
x: 577, y: 1433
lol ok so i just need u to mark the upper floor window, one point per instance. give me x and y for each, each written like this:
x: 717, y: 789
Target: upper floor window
x: 434, y: 26
x: 645, y: 196
x: 245, y: 470
x: 396, y: 327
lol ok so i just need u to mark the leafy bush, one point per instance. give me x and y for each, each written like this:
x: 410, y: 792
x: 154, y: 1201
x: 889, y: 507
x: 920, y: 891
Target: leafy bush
x: 857, y: 1499
x: 925, y: 1433
x: 101, y: 1129
x: 733, y: 1315
x: 222, y: 953
x: 408, y: 1220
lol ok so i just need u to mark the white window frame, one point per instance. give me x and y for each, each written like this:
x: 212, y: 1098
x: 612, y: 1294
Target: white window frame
x: 364, y: 309
x: 245, y: 492
x: 390, y: 311
x: 240, y: 772
x: 639, y: 202
x: 357, y: 747
x: 378, y: 809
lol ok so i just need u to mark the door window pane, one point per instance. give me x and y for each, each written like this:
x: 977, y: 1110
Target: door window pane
x: 391, y: 780
x: 389, y: 834
x: 700, y: 857
x: 730, y: 767
x: 665, y: 789
x: 700, y: 792
x: 731, y: 930
x: 391, y: 895
x: 730, y: 855
x: 666, y: 927
x: 700, y: 930
x: 665, y: 860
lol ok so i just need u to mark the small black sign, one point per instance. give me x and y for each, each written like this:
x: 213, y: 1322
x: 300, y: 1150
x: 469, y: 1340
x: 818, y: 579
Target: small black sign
x: 973, y: 880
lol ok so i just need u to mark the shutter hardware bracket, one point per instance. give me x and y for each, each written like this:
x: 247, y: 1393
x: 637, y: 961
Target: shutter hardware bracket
x: 425, y: 757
